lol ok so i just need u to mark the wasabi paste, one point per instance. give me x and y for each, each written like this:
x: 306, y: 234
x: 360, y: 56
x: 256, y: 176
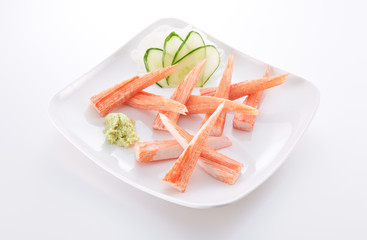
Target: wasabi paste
x: 120, y: 130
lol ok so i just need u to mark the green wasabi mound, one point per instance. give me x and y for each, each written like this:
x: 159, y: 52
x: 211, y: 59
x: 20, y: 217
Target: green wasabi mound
x: 120, y: 130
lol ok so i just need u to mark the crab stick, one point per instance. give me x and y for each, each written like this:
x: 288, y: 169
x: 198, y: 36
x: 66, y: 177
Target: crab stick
x: 195, y: 105
x: 149, y: 101
x: 219, y: 171
x: 246, y: 122
x: 109, y: 99
x: 170, y: 149
x: 181, y: 94
x: 241, y: 89
x: 181, y: 171
x: 207, y: 104
x: 215, y: 164
x: 222, y: 92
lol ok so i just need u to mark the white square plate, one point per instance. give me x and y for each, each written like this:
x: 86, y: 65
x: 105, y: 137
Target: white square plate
x: 285, y: 113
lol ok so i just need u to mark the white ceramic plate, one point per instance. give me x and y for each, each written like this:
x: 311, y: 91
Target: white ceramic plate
x: 285, y: 113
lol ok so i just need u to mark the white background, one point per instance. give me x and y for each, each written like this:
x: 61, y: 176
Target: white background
x: 49, y: 190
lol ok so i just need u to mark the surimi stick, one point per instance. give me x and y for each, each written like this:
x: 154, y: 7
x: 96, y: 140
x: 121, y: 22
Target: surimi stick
x: 109, y: 99
x: 181, y: 94
x: 170, y: 149
x: 207, y: 104
x: 246, y: 122
x: 110, y: 91
x: 222, y: 92
x: 182, y: 169
x: 149, y: 101
x: 219, y: 171
x: 241, y: 89
x: 195, y: 105
x: 215, y: 164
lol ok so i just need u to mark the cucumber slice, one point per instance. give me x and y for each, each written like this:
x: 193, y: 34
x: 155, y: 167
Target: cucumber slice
x: 190, y: 60
x: 172, y: 42
x: 153, y: 61
x: 171, y: 45
x: 192, y: 41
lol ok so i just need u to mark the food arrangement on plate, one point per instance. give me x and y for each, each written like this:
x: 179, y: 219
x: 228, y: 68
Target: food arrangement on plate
x: 185, y: 63
x: 284, y: 115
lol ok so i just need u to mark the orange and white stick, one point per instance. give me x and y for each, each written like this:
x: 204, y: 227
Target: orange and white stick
x: 163, y: 150
x: 222, y: 92
x: 244, y: 88
x: 207, y: 104
x: 149, y: 101
x: 195, y: 105
x: 107, y: 100
x: 246, y: 122
x: 181, y: 94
